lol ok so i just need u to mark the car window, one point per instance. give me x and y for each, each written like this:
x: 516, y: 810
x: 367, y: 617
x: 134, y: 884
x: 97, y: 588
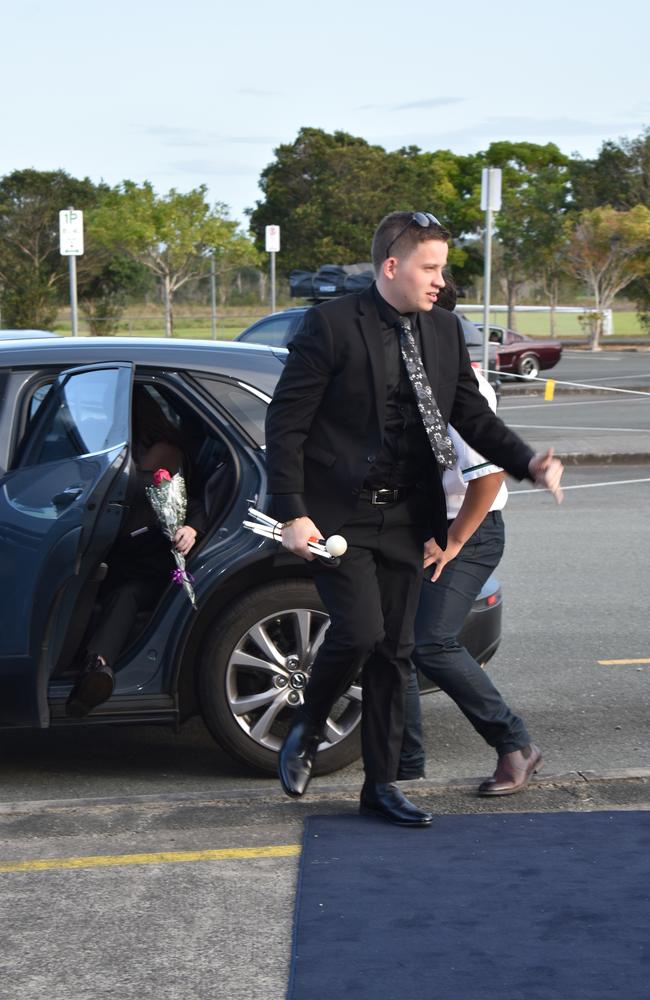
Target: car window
x: 38, y: 397
x: 272, y: 331
x: 87, y: 414
x: 245, y: 406
x: 472, y: 334
x: 171, y: 414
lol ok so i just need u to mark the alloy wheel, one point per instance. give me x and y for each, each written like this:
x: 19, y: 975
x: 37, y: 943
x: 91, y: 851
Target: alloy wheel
x: 268, y: 671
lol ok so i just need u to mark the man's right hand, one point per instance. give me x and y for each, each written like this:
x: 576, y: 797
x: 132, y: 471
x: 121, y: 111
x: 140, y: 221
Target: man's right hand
x: 297, y: 533
x: 546, y: 471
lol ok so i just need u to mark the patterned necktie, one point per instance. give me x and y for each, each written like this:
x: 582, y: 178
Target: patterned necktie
x: 434, y: 425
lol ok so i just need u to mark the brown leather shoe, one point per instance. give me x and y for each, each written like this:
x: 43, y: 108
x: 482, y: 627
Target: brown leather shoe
x: 514, y: 771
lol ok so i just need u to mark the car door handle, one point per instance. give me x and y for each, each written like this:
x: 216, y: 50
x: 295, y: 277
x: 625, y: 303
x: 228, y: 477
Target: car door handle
x: 67, y: 496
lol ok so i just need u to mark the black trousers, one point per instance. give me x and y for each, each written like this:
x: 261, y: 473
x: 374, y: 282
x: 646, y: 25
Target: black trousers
x: 139, y: 571
x: 371, y: 597
x: 118, y: 615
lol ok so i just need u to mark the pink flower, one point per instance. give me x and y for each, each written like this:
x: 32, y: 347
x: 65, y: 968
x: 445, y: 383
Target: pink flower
x: 159, y: 475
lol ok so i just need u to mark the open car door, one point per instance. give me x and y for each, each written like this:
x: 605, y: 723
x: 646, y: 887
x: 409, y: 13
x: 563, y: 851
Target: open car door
x: 61, y: 507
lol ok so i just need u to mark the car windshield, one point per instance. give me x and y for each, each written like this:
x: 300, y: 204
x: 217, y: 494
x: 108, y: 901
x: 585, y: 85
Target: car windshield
x: 472, y: 334
x: 272, y: 331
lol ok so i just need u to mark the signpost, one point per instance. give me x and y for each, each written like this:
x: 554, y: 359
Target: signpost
x: 490, y: 202
x: 272, y: 246
x: 213, y: 297
x: 71, y: 245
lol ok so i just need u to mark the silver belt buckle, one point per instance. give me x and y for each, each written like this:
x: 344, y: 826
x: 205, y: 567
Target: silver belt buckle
x: 381, y: 497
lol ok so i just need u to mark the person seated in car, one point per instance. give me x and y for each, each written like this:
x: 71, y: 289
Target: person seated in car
x: 141, y: 561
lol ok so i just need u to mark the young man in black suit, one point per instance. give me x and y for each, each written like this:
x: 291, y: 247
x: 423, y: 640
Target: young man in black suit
x: 356, y: 440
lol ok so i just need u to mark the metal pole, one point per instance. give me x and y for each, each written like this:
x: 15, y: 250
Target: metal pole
x: 72, y: 266
x: 168, y: 331
x: 487, y: 278
x: 272, y: 280
x: 213, y: 298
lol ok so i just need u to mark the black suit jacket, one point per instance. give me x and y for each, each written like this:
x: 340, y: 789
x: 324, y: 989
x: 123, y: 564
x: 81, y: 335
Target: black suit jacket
x: 325, y: 424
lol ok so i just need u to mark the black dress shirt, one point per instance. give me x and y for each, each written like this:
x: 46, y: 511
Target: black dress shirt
x: 406, y: 449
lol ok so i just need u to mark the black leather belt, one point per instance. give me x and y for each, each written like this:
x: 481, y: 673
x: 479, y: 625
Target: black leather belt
x: 381, y: 496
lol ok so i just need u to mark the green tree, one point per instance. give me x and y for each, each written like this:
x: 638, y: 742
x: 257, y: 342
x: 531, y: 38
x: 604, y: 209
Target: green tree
x: 608, y: 250
x: 104, y: 292
x: 32, y: 272
x: 619, y: 176
x: 171, y: 235
x: 450, y: 187
x: 536, y: 193
x: 230, y: 257
x: 327, y: 192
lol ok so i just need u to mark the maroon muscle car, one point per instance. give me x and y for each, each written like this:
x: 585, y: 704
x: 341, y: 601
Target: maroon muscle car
x: 524, y: 356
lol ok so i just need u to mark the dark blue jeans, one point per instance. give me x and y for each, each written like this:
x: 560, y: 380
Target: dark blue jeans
x: 442, y: 610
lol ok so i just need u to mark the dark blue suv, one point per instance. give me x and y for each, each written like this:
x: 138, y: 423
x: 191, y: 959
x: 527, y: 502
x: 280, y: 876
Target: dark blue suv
x: 278, y: 330
x: 66, y: 473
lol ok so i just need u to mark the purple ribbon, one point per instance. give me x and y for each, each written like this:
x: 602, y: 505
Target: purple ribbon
x: 180, y: 576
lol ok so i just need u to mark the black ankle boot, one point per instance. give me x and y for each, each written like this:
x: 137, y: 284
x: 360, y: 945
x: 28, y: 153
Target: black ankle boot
x: 93, y: 686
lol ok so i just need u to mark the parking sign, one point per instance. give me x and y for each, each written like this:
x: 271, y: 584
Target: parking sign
x: 71, y: 232
x: 272, y: 237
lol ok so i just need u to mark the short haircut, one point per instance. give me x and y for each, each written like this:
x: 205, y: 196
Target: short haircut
x: 389, y: 228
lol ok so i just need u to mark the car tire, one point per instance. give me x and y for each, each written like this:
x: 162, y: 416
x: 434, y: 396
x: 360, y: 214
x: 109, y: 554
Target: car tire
x: 254, y: 663
x: 528, y: 366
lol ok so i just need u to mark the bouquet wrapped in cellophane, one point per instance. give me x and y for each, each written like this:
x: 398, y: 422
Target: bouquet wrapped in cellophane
x: 168, y: 498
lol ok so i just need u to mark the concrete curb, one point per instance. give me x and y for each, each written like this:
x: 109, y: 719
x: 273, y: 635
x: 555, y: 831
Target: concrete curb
x: 611, y: 458
x: 317, y: 792
x: 537, y: 389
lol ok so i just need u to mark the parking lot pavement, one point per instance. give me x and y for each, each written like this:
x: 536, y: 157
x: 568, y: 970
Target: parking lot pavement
x: 90, y: 920
x: 599, y: 411
x: 629, y: 368
x: 574, y: 660
x: 583, y: 427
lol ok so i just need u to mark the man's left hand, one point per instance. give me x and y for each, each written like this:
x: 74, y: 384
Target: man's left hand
x: 546, y: 471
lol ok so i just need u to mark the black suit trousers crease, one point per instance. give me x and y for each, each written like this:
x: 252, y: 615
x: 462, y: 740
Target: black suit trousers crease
x: 371, y: 598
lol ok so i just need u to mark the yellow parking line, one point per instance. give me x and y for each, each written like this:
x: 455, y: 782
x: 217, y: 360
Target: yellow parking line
x: 160, y: 857
x: 621, y: 663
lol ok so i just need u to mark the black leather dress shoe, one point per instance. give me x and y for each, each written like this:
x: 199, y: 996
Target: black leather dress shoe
x: 387, y: 802
x: 297, y: 756
x: 94, y: 686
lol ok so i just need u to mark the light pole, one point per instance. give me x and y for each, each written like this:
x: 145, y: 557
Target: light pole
x: 490, y: 202
x: 213, y: 297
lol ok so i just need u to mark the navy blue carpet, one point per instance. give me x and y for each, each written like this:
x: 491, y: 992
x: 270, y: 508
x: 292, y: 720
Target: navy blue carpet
x: 534, y: 906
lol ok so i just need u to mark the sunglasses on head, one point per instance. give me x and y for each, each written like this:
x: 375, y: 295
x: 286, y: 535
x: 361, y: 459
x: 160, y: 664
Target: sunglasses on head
x: 421, y: 219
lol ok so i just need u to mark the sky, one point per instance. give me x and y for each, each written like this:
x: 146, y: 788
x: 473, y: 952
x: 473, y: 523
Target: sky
x: 196, y: 92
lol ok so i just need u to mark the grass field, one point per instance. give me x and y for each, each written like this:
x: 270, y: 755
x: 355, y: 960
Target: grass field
x: 197, y: 325
x: 626, y: 323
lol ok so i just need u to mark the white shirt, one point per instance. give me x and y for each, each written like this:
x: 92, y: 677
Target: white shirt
x: 470, y: 464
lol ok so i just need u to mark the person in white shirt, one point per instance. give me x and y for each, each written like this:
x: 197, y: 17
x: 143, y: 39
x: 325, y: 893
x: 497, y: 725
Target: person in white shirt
x: 476, y: 494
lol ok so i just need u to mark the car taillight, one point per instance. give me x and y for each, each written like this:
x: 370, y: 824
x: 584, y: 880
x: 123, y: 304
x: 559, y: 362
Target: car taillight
x: 492, y: 599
